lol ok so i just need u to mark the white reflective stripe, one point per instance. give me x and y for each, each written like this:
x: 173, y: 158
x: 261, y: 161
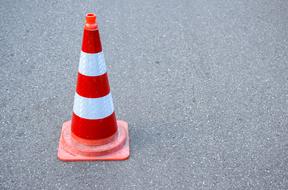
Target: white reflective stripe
x: 93, y: 108
x: 92, y: 64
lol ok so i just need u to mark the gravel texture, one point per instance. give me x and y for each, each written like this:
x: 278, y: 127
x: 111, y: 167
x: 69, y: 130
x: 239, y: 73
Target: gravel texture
x: 203, y: 85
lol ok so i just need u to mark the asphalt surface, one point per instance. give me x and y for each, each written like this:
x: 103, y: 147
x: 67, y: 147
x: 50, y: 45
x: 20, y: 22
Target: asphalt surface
x: 203, y: 85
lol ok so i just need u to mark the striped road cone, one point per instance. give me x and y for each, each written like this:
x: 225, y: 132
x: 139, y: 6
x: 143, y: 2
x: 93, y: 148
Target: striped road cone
x: 93, y: 133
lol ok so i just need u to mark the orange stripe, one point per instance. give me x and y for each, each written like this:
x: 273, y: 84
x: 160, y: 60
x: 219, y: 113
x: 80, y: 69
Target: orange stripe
x: 94, y: 129
x: 91, y: 41
x: 92, y: 86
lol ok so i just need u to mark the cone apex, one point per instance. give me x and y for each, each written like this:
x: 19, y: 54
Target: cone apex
x: 91, y: 21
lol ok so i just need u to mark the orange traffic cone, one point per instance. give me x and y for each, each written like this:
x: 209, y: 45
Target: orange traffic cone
x: 93, y: 133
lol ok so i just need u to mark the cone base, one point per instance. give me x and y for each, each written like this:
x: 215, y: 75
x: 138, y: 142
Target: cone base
x: 71, y: 150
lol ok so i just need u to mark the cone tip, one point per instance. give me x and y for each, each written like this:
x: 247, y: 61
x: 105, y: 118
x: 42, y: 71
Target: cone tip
x: 90, y: 18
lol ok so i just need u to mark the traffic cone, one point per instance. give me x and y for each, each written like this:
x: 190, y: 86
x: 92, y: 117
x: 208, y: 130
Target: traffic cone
x: 93, y: 133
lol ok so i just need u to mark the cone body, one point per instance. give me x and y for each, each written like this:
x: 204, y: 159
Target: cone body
x: 93, y: 112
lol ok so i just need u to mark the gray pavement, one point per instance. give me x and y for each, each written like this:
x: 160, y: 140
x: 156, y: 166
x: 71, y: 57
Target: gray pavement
x: 203, y: 85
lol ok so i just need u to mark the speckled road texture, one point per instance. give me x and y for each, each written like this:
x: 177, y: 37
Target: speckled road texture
x: 203, y: 85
